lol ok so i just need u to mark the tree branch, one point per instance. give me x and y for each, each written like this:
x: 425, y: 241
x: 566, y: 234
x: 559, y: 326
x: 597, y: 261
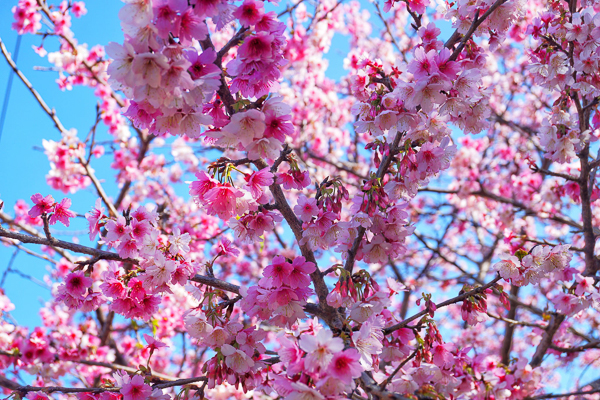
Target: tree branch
x: 381, y: 171
x: 453, y: 300
x: 555, y: 321
x: 51, y: 113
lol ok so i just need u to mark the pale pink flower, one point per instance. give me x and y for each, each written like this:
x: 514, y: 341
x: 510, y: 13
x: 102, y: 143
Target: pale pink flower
x: 368, y: 341
x: 320, y: 348
x: 136, y: 12
x: 94, y: 217
x: 128, y: 248
x: 268, y: 148
x: 149, y: 67
x: 508, y: 268
x: 302, y: 392
x: 564, y: 303
x: 378, y: 251
x: 246, y: 126
x: 119, y: 68
x: 306, y: 208
x: 558, y: 258
x: 161, y: 270
x: 179, y: 242
x: 136, y: 389
x: 196, y: 325
x: 257, y: 181
x: 237, y: 360
x: 152, y: 343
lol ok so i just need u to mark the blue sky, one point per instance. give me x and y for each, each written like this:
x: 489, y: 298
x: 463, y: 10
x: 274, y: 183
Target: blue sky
x: 23, y: 164
x: 26, y: 125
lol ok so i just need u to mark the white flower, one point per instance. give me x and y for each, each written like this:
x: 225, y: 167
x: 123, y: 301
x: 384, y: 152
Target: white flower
x: 197, y: 325
x: 508, y: 267
x: 179, y: 243
x: 320, y: 348
x: 237, y: 360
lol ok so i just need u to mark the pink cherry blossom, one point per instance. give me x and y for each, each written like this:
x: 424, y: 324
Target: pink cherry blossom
x: 42, y: 205
x: 62, y: 213
x: 345, y: 366
x: 136, y: 389
x: 320, y: 348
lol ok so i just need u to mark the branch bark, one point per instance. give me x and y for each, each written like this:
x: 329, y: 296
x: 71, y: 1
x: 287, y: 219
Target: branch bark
x: 453, y: 300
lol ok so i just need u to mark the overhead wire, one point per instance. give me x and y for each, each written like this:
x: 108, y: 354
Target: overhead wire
x: 9, y: 87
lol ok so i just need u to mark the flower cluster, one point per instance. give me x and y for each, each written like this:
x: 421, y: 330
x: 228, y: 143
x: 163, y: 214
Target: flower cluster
x: 47, y: 207
x: 529, y: 268
x: 281, y: 293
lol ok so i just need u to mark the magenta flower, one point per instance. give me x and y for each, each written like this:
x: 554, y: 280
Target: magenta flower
x: 250, y: 12
x: 116, y: 230
x: 94, y: 217
x: 42, y: 205
x: 62, y: 212
x: 278, y: 272
x: 258, y: 180
x: 299, y: 276
x: 202, y: 185
x: 153, y: 344
x: 136, y: 389
x: 77, y: 283
x: 237, y: 360
x: 345, y: 366
x: 222, y: 201
x: 226, y: 248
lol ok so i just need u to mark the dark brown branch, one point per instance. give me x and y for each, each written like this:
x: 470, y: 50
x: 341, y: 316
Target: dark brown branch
x: 6, y: 218
x: 223, y: 91
x: 373, y: 389
x: 4, y: 382
x: 329, y: 314
x: 576, y: 349
x: 383, y: 384
x: 216, y: 283
x: 555, y: 322
x: 7, y: 383
x: 477, y: 21
x: 234, y: 41
x: 510, y: 328
x: 381, y: 171
x: 557, y: 174
x: 562, y: 395
x: 101, y: 254
x: 453, y: 300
